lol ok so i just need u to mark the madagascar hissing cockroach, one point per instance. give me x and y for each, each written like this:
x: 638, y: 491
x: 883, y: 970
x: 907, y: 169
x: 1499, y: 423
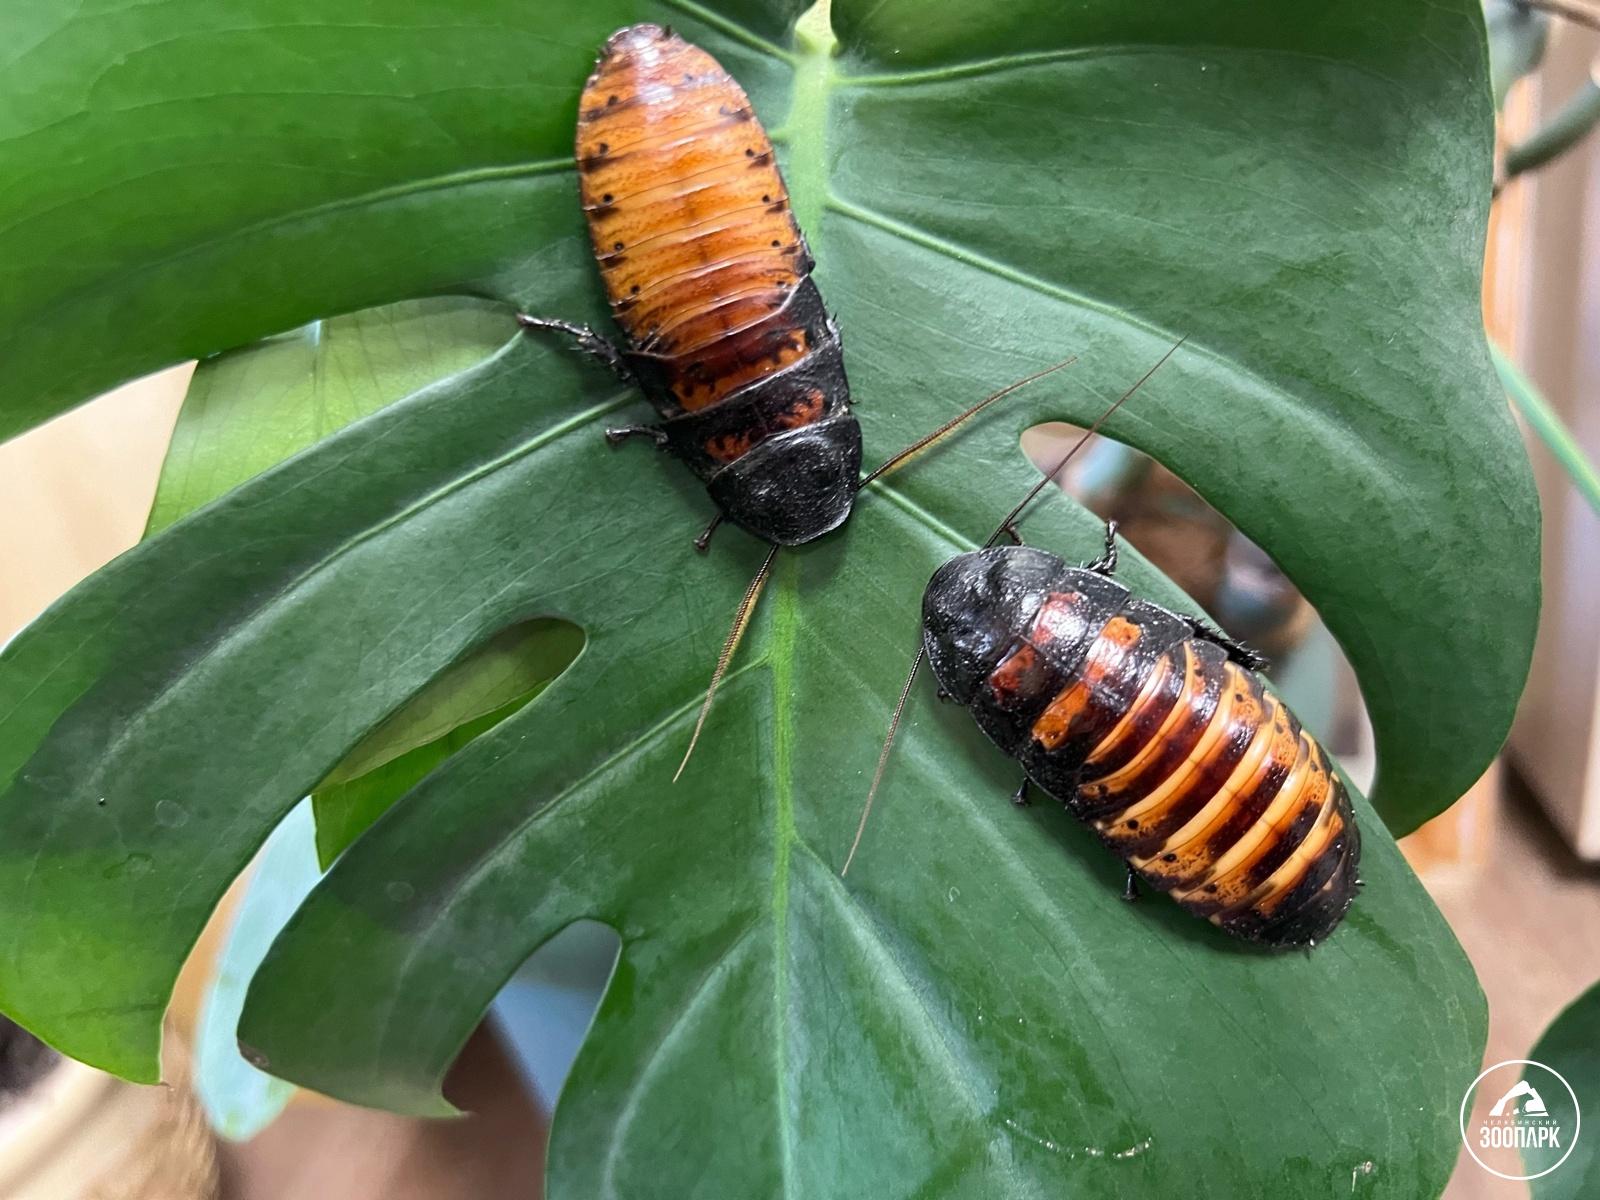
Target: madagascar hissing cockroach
x: 1151, y: 727
x: 709, y: 278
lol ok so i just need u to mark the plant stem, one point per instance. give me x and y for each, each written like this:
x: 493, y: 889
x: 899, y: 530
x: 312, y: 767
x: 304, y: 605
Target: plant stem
x: 1572, y: 122
x: 1577, y: 11
x: 1552, y: 430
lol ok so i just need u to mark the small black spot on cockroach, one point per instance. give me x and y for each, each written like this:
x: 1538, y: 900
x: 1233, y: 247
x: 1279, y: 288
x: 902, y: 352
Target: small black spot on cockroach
x: 776, y: 242
x: 1210, y: 887
x: 616, y: 245
x: 749, y: 152
x: 634, y: 289
x: 610, y: 100
x: 1169, y: 857
x: 1133, y: 822
x: 602, y: 148
x: 607, y: 198
x: 766, y: 199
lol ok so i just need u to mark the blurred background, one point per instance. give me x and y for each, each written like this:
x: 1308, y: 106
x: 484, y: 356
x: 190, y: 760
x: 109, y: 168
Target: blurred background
x: 1515, y: 866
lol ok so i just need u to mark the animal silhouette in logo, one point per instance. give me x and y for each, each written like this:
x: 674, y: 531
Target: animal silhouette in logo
x: 1532, y: 1106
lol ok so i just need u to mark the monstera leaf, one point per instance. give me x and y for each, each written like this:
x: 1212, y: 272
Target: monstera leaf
x: 1571, y: 1046
x: 974, y: 1012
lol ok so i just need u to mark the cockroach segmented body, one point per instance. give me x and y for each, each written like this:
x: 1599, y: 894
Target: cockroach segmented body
x: 1153, y: 728
x: 709, y: 278
x: 1155, y: 731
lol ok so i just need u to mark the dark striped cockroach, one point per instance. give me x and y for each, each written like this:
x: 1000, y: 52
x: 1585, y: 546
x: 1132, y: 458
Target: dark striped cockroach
x: 1151, y: 727
x: 709, y: 279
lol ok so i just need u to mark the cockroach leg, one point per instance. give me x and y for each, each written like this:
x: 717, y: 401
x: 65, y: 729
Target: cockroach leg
x: 584, y: 340
x: 1130, y: 890
x: 702, y: 543
x: 622, y: 433
x: 1011, y: 531
x: 1020, y: 797
x: 1247, y: 657
x: 1106, y: 564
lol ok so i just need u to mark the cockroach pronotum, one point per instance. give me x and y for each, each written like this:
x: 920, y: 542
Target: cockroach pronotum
x: 709, y: 279
x: 1152, y: 727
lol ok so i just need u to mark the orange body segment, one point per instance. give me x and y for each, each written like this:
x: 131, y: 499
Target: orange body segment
x: 689, y: 217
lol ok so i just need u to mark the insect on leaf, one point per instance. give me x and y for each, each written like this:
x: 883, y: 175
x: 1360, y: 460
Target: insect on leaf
x: 987, y: 189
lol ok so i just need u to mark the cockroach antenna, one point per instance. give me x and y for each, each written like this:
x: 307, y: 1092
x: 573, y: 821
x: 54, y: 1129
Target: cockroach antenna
x: 917, y: 447
x: 1008, y: 523
x: 741, y: 619
x: 753, y: 593
x: 1011, y: 518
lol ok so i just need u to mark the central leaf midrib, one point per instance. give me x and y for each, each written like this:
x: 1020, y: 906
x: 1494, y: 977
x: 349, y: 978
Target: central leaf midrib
x: 807, y: 118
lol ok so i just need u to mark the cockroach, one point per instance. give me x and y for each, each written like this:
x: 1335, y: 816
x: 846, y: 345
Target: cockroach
x: 1153, y: 728
x: 709, y: 279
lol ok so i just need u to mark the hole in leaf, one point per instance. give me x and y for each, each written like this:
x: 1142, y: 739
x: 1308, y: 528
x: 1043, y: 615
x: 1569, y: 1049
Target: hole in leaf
x: 464, y: 701
x: 544, y: 1012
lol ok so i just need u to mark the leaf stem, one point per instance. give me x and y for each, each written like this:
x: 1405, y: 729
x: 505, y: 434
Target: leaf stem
x: 1578, y: 11
x: 1552, y: 430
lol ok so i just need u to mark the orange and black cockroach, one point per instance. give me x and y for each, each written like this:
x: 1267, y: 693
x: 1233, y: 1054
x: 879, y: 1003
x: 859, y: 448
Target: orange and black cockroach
x: 709, y: 279
x: 1152, y: 727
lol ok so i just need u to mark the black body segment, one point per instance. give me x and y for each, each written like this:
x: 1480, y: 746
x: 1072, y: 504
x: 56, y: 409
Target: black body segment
x: 1157, y: 736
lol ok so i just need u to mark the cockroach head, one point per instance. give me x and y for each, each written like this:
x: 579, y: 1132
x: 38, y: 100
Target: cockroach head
x: 795, y: 487
x: 975, y: 605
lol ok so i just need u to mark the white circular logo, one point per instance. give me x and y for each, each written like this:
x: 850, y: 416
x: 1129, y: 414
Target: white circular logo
x: 1519, y: 1108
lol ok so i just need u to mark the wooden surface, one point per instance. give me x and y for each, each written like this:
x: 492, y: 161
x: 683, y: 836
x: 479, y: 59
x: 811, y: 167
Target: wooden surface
x: 74, y: 493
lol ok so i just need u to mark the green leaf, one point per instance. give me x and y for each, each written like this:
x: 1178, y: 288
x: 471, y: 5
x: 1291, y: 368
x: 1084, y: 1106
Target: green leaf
x: 976, y: 1013
x: 505, y: 672
x: 249, y: 409
x: 1571, y: 1046
x: 345, y: 808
